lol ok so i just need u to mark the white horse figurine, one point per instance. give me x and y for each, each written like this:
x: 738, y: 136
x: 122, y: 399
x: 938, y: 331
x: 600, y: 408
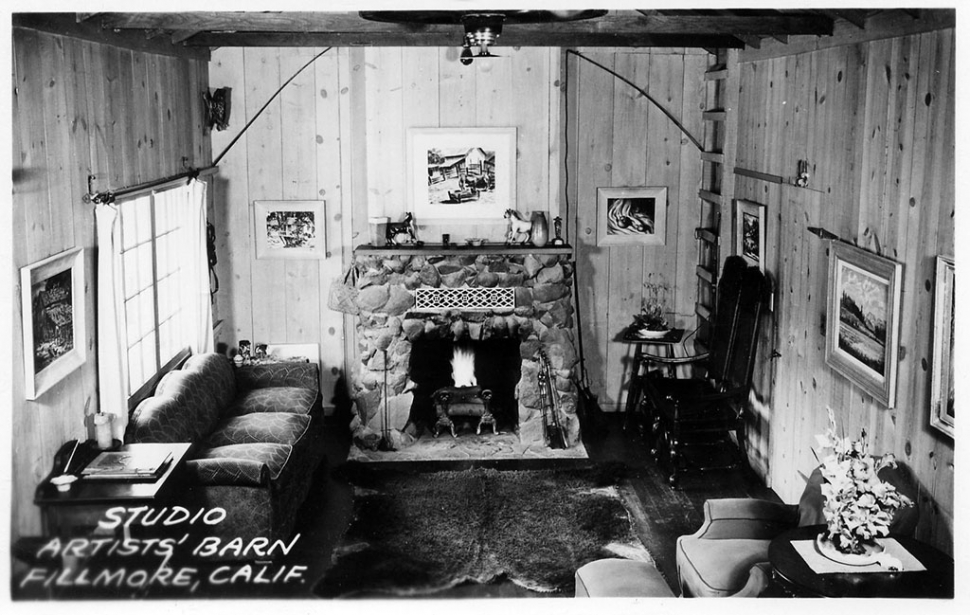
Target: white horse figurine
x: 517, y: 227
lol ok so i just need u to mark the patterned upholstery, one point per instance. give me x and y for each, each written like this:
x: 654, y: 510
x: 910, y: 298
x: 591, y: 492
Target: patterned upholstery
x: 257, y: 434
x: 274, y: 399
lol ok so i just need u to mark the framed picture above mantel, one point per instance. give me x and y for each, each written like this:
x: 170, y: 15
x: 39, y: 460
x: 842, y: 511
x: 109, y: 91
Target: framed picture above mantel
x: 461, y: 174
x: 862, y: 336
x: 52, y: 292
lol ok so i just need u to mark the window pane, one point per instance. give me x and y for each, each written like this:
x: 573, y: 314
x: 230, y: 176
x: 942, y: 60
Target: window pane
x: 136, y: 374
x: 133, y: 320
x: 148, y: 358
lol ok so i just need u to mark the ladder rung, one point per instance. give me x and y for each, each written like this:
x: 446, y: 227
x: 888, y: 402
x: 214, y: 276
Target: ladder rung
x: 717, y: 157
x: 710, y: 197
x: 706, y: 234
x: 716, y: 74
x: 705, y: 274
x: 703, y: 311
x: 717, y: 115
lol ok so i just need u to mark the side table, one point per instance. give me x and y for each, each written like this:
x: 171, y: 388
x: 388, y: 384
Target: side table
x: 638, y: 369
x: 77, y: 510
x: 792, y: 572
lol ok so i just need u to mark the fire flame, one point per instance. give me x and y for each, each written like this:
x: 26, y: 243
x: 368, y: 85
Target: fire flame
x: 463, y: 367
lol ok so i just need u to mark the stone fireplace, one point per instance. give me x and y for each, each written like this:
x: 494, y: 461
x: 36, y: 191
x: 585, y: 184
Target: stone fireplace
x: 507, y: 304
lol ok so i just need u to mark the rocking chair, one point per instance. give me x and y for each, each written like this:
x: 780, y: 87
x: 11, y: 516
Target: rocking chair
x: 694, y: 416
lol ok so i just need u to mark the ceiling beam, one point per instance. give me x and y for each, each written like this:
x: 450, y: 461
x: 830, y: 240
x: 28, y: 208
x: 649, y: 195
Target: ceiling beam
x: 453, y: 39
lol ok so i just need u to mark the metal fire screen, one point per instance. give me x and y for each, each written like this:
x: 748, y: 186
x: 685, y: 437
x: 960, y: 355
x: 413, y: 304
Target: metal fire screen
x: 464, y: 298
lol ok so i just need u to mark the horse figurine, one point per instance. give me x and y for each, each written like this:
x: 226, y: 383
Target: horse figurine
x: 401, y: 232
x: 517, y: 227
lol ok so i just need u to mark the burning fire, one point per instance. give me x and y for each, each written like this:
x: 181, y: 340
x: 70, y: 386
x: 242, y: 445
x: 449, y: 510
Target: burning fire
x: 463, y: 367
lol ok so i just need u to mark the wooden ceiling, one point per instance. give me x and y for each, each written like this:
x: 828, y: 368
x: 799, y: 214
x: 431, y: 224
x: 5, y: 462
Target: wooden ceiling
x: 196, y: 33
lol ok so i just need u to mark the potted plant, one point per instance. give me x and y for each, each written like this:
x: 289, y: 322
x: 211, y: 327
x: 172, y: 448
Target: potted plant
x: 651, y: 322
x: 859, y: 506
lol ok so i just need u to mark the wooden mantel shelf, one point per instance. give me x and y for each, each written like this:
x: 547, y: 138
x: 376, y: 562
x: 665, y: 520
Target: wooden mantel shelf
x: 453, y: 249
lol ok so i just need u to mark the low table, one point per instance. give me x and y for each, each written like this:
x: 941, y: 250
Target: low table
x: 76, y: 511
x: 794, y: 574
x: 634, y: 393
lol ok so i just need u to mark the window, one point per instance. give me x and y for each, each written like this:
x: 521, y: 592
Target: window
x: 157, y: 283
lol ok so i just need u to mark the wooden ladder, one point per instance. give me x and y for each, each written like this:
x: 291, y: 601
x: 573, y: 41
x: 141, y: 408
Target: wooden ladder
x: 717, y: 185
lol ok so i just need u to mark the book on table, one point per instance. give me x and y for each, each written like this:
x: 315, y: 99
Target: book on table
x: 128, y: 465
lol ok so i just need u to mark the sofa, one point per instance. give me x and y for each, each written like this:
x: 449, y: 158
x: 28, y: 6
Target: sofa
x: 257, y: 435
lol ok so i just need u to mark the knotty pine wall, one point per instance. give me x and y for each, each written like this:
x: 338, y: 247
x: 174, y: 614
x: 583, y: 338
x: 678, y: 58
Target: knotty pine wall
x: 337, y: 133
x: 82, y: 108
x: 616, y: 137
x: 875, y: 120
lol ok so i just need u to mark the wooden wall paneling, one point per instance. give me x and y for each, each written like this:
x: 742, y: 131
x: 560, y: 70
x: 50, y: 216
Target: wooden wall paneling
x: 420, y: 83
x: 330, y: 183
x: 147, y: 155
x: 631, y: 159
x: 457, y: 91
x: 594, y: 150
x: 553, y: 136
x: 232, y: 216
x: 353, y: 178
x: 684, y: 209
x: 94, y: 112
x: 60, y: 229
x: 387, y: 185
x: 264, y: 162
x: 665, y: 83
x: 493, y: 81
x: 358, y: 163
x: 299, y: 176
x: 530, y: 77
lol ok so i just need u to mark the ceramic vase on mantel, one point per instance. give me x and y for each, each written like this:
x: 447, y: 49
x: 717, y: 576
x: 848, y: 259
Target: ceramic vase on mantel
x: 540, y: 229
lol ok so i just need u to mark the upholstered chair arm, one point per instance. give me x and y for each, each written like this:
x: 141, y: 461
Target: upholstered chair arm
x: 745, y: 518
x: 227, y: 471
x: 653, y: 358
x: 286, y: 374
x: 758, y: 580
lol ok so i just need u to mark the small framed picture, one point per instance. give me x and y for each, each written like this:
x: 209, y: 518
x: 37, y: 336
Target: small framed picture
x: 944, y: 337
x: 749, y: 232
x: 862, y: 335
x: 465, y: 174
x: 631, y: 216
x: 52, y: 292
x: 290, y: 229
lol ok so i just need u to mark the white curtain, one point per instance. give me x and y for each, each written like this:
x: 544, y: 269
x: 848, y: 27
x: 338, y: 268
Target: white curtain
x: 112, y: 352
x: 187, y: 205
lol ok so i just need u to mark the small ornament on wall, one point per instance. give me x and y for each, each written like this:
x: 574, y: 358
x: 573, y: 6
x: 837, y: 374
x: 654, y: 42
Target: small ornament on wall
x: 217, y: 107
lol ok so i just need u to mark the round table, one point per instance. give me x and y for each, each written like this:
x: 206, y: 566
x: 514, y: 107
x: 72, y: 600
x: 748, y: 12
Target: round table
x: 795, y: 575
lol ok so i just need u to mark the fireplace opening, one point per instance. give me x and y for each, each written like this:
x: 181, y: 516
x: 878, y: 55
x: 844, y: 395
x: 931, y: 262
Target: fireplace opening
x: 462, y: 366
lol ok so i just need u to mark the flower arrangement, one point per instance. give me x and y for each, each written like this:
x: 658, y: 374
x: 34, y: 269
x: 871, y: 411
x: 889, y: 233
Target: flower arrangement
x: 858, y: 505
x: 653, y: 307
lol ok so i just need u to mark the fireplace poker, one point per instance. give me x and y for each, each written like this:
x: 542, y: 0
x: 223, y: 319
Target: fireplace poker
x: 385, y: 443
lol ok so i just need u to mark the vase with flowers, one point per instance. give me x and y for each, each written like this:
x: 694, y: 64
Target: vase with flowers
x: 859, y: 506
x: 651, y: 322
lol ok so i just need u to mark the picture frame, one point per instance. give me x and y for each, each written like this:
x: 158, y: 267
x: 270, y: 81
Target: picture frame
x: 464, y: 174
x: 942, y: 381
x: 290, y: 229
x: 54, y: 328
x: 862, y: 335
x: 631, y: 216
x: 749, y: 232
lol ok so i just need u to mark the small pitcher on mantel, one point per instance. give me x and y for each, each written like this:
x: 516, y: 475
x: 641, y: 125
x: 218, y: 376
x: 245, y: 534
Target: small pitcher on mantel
x: 540, y: 229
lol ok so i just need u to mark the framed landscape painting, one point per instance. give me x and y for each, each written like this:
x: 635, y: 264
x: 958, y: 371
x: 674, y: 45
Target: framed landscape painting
x: 52, y: 292
x: 750, y: 232
x: 465, y: 174
x: 942, y: 412
x: 631, y: 216
x: 862, y: 337
x: 290, y: 229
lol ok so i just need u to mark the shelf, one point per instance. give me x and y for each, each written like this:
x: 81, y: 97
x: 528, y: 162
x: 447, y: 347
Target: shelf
x: 453, y: 249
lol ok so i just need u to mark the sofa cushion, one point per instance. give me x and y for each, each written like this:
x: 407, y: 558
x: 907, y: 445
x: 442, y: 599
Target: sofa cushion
x: 194, y: 394
x: 225, y: 459
x: 260, y: 427
x: 273, y: 399
x: 161, y: 419
x: 216, y: 372
x: 717, y: 568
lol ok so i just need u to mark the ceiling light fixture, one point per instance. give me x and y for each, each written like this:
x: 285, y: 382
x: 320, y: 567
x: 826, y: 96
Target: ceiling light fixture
x: 481, y: 30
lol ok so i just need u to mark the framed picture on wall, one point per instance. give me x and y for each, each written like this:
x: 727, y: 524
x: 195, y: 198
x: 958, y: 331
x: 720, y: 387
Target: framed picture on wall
x: 465, y: 174
x: 631, y: 216
x: 749, y: 232
x: 862, y: 335
x: 52, y: 292
x: 942, y: 388
x: 290, y: 229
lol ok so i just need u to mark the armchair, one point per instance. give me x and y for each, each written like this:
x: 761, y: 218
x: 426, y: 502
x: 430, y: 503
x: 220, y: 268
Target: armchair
x: 728, y: 555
